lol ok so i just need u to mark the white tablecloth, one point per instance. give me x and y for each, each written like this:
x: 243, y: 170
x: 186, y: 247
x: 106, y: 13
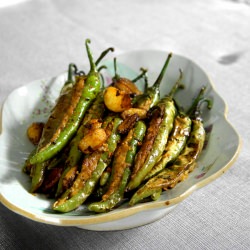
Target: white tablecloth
x: 39, y: 38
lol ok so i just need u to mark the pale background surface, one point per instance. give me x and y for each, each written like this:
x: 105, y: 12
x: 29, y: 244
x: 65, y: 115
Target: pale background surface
x: 39, y: 39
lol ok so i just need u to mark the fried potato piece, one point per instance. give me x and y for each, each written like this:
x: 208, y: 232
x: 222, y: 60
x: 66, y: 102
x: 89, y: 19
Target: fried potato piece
x: 94, y: 138
x: 34, y: 132
x: 117, y: 100
x: 128, y: 86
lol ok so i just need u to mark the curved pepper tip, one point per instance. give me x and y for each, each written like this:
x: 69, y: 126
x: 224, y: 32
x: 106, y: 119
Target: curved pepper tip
x: 87, y: 41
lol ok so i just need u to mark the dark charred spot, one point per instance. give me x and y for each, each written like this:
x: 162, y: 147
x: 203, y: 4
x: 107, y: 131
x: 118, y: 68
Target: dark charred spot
x: 52, y: 178
x: 128, y: 124
x: 155, y: 111
x: 193, y: 154
x: 117, y: 92
x: 191, y: 145
x: 88, y: 125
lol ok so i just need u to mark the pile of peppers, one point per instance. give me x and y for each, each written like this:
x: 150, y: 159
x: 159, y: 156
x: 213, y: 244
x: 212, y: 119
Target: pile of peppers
x: 103, y: 146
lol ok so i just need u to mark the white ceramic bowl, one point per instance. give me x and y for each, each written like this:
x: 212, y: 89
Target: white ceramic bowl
x: 33, y: 103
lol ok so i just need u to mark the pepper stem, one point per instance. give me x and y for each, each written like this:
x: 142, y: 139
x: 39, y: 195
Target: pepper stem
x: 144, y: 71
x: 116, y: 76
x: 177, y: 85
x: 78, y: 72
x: 146, y: 82
x: 196, y: 101
x: 195, y: 109
x: 90, y: 56
x: 71, y: 71
x: 102, y: 67
x: 103, y: 54
x: 159, y: 79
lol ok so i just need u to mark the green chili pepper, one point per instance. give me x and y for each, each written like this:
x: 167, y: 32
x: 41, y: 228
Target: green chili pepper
x: 38, y: 173
x: 176, y: 140
x: 152, y: 94
x: 122, y: 162
x: 60, y: 113
x: 142, y: 103
x: 168, y: 177
x: 156, y: 195
x: 75, y: 201
x: 124, y: 155
x: 91, y: 88
x: 27, y: 167
x: 156, y: 138
x: 95, y: 111
x: 59, y: 159
x: 114, y: 198
x: 104, y: 178
x: 176, y: 172
x: 175, y: 143
x: 38, y: 170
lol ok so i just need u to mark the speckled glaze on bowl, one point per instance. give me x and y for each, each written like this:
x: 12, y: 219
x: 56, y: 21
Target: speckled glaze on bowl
x: 33, y: 102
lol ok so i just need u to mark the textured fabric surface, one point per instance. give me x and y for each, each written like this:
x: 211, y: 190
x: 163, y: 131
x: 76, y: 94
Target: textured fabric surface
x: 39, y: 38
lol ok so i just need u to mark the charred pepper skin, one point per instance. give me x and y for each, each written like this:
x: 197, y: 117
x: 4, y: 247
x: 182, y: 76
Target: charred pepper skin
x: 122, y: 162
x: 176, y: 142
x: 158, y: 132
x: 124, y: 155
x: 144, y: 164
x: 91, y: 88
x: 76, y: 200
x: 37, y: 171
x: 185, y: 161
x: 95, y: 111
x: 116, y: 197
x: 177, y: 139
x: 170, y: 176
x: 27, y: 167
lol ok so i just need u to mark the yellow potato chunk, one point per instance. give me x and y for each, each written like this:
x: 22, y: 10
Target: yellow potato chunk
x: 34, y: 132
x: 116, y: 100
x: 93, y: 140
